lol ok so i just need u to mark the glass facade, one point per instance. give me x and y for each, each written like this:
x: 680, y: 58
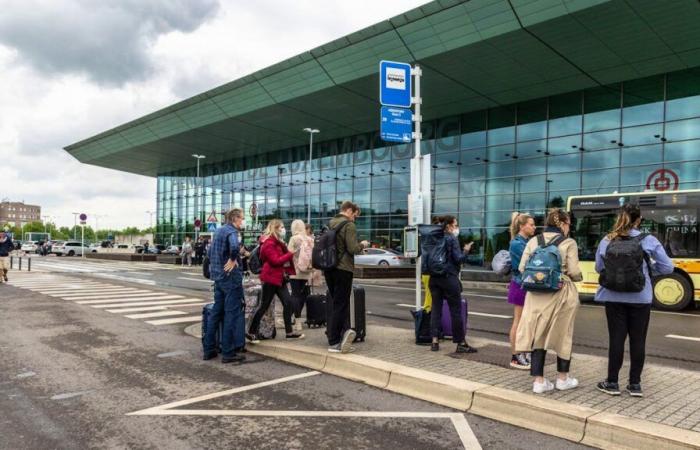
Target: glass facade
x: 486, y: 164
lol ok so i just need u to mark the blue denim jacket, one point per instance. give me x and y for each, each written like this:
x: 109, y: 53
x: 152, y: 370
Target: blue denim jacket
x: 662, y: 265
x: 224, y: 246
x: 516, y: 249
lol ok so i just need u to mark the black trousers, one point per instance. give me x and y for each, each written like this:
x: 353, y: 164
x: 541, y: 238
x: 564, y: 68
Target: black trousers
x: 537, y: 358
x: 299, y: 294
x: 268, y: 293
x: 446, y: 288
x: 340, y: 288
x: 624, y: 320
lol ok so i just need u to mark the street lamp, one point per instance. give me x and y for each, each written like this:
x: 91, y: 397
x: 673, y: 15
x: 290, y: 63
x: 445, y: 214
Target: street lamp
x: 196, y: 191
x: 46, y: 219
x: 311, y: 132
x: 150, y: 213
x: 75, y: 225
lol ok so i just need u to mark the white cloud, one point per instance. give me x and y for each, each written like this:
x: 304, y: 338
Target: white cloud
x: 97, y: 68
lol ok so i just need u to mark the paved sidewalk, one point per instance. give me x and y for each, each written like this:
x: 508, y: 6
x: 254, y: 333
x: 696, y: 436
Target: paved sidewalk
x: 672, y: 396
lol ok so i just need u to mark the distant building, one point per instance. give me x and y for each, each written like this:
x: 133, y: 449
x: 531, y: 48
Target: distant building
x: 18, y: 213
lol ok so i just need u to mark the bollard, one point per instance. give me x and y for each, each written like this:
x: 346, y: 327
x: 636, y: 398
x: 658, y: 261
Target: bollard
x: 12, y: 261
x: 29, y: 265
x: 20, y: 263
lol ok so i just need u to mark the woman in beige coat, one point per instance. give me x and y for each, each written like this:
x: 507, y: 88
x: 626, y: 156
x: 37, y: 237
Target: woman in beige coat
x: 299, y: 242
x: 548, y: 318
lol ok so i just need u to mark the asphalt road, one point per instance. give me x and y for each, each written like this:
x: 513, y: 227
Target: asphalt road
x: 72, y: 376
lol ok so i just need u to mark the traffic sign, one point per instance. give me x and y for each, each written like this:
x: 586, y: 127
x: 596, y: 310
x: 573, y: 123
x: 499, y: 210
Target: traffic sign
x: 211, y: 226
x: 396, y: 124
x: 395, y: 84
x: 212, y: 218
x: 253, y: 210
x: 197, y: 223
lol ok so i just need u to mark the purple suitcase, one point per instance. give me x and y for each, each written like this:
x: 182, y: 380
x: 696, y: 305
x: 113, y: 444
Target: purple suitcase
x: 446, y: 321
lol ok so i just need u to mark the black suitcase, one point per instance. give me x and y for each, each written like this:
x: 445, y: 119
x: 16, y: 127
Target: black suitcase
x: 357, y: 317
x: 206, y: 323
x: 316, y: 310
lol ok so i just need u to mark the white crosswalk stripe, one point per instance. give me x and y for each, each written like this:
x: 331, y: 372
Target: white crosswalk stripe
x: 61, y: 264
x: 131, y: 303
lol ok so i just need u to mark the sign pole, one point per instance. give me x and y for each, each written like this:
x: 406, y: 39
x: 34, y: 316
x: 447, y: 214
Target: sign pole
x: 82, y: 239
x: 416, y: 100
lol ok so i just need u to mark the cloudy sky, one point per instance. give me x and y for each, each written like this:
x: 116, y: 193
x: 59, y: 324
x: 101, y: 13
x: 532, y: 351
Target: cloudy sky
x: 70, y: 69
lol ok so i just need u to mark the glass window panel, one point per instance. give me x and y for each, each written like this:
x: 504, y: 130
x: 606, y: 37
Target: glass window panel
x: 601, y: 159
x: 473, y: 171
x: 564, y: 145
x: 531, y: 166
x: 501, y: 152
x: 529, y: 202
x: 683, y: 94
x: 636, y: 177
x: 382, y: 195
x: 380, y: 208
x: 499, y: 186
x: 501, y: 125
x: 446, y: 205
x: 648, y: 134
x: 447, y: 175
x: 562, y: 182
x: 472, y: 188
x: 601, y: 108
x: 402, y: 194
x: 400, y: 181
x: 688, y: 172
x: 530, y: 184
x: 564, y: 163
x: 471, y: 220
x: 500, y: 169
x: 643, y: 101
x: 471, y: 203
x: 473, y: 156
x: 361, y: 197
x: 328, y: 187
x: 682, y: 151
x: 446, y: 159
x: 601, y: 140
x: 565, y: 114
x: 532, y: 120
x: 647, y: 154
x: 531, y: 148
x: 499, y: 202
x: 446, y: 190
x: 401, y: 165
x: 558, y: 199
x: 601, y: 181
x: 344, y: 186
x: 683, y: 129
x: 381, y: 182
x: 361, y: 184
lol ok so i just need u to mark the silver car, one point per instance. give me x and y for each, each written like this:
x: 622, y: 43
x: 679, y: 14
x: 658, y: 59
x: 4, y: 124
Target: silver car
x: 383, y: 258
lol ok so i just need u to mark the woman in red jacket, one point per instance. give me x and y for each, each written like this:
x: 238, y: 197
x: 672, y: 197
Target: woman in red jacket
x: 277, y: 265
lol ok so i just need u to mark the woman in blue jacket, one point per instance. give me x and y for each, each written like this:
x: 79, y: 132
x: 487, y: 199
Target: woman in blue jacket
x: 522, y: 228
x: 628, y: 312
x: 449, y: 287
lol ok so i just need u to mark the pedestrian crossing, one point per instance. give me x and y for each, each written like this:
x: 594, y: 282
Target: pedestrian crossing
x: 152, y: 307
x: 50, y: 264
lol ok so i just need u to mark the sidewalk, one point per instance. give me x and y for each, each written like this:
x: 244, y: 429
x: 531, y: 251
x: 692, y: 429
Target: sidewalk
x: 667, y: 417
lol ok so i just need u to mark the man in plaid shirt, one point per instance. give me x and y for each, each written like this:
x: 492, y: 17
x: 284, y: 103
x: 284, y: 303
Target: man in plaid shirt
x: 225, y: 268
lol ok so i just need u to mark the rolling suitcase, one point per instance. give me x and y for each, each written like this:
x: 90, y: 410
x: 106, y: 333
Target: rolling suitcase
x: 316, y: 310
x: 253, y: 297
x: 206, y: 323
x: 446, y: 322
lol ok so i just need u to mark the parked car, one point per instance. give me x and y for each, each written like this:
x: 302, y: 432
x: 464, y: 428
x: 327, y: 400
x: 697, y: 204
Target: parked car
x: 172, y: 250
x: 383, y: 258
x: 94, y: 248
x: 70, y: 248
x: 29, y: 247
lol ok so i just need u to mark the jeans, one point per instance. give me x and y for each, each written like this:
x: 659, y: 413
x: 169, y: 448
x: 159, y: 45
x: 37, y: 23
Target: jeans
x: 187, y: 259
x: 268, y: 294
x: 299, y: 294
x: 624, y: 320
x: 340, y: 288
x: 446, y: 288
x: 228, y: 306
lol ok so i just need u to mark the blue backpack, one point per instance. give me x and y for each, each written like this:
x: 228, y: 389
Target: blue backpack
x: 543, y: 270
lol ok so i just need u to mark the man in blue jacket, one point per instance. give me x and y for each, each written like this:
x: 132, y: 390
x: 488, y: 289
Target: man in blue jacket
x: 6, y: 246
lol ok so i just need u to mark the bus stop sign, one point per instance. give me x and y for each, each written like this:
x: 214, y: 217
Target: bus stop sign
x: 395, y: 84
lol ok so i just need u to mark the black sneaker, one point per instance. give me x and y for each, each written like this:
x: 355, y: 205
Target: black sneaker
x: 435, y: 347
x: 635, y: 390
x: 253, y: 339
x: 208, y: 356
x: 233, y: 359
x: 608, y: 387
x: 465, y: 348
x: 295, y: 336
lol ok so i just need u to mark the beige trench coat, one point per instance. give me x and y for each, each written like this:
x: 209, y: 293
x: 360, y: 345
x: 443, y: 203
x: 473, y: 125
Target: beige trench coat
x: 548, y: 317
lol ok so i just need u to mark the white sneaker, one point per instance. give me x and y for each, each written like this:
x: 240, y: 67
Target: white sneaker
x: 346, y: 342
x: 541, y: 388
x: 567, y: 384
x: 298, y: 327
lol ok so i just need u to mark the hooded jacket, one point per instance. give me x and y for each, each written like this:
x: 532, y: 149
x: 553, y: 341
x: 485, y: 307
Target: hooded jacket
x: 298, y: 238
x: 276, y: 259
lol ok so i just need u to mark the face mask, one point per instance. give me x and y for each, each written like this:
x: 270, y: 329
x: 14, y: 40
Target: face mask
x: 455, y: 232
x: 283, y: 232
x: 242, y: 224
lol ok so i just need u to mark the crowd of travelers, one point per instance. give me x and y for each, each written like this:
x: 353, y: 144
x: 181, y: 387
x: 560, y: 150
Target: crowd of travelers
x: 544, y: 268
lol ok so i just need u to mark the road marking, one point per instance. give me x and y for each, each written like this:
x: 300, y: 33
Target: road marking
x: 177, y: 320
x: 155, y: 314
x: 459, y: 421
x: 171, y: 354
x: 194, y: 279
x: 91, y: 292
x: 69, y: 395
x: 153, y: 303
x: 142, y: 293
x: 471, y: 313
x: 685, y: 338
x: 151, y: 308
x: 139, y: 299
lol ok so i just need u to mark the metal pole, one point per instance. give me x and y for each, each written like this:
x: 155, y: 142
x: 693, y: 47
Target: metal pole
x: 416, y: 72
x: 75, y: 225
x: 82, y: 241
x: 196, y: 200
x: 308, y: 184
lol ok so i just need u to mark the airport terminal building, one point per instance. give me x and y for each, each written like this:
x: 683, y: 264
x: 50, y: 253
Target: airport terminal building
x: 525, y: 103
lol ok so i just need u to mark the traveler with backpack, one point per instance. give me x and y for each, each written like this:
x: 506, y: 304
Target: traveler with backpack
x: 443, y: 264
x: 6, y: 247
x: 522, y: 228
x: 334, y: 253
x: 549, y: 267
x: 225, y: 272
x: 623, y: 261
x: 276, y: 267
x: 301, y: 244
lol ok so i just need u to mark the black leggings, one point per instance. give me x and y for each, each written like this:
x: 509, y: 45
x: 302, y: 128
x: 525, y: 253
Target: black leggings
x: 299, y: 294
x: 268, y: 294
x: 537, y: 358
x: 627, y: 320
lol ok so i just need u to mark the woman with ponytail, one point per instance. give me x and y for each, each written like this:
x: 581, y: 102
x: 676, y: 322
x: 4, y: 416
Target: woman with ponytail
x: 627, y: 294
x: 522, y: 228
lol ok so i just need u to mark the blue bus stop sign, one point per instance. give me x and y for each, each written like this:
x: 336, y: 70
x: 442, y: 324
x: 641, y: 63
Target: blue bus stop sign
x: 395, y: 84
x: 396, y: 124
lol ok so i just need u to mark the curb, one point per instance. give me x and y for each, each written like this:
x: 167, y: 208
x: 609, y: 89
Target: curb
x: 572, y: 422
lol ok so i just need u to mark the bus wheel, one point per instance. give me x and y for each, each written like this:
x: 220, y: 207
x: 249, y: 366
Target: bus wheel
x: 672, y: 292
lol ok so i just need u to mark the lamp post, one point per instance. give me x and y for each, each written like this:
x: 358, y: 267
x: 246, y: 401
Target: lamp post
x: 311, y: 132
x: 46, y: 219
x: 75, y: 225
x: 196, y: 192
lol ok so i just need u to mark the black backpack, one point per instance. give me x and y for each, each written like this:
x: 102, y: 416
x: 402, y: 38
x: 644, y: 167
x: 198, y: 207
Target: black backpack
x: 324, y: 255
x: 433, y: 247
x: 206, y: 267
x: 254, y: 262
x: 623, y: 262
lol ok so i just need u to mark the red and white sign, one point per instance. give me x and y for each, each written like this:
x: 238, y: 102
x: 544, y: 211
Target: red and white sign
x: 212, y: 218
x: 663, y: 180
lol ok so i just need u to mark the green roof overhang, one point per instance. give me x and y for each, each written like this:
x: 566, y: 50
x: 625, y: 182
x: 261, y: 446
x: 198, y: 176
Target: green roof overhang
x: 474, y: 54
